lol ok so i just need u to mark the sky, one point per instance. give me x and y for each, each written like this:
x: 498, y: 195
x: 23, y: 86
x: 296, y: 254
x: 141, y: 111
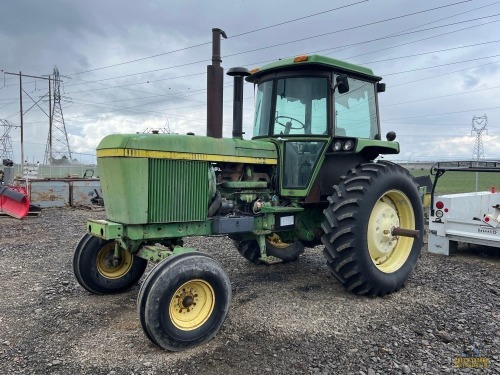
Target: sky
x: 126, y: 67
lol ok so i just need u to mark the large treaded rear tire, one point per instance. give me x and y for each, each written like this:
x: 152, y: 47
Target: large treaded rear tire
x: 372, y: 198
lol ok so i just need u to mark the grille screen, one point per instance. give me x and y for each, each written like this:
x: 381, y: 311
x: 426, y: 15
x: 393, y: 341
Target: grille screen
x: 178, y: 191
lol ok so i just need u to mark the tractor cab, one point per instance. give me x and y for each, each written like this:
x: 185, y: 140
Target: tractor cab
x: 314, y: 107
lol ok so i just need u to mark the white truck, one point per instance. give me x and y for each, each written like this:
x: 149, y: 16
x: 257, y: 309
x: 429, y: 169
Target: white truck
x: 465, y: 217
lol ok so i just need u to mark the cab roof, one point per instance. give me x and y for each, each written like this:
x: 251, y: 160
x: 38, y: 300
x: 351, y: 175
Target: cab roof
x: 312, y: 61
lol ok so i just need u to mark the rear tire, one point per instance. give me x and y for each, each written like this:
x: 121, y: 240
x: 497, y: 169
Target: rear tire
x: 359, y: 248
x: 184, y: 301
x: 249, y: 249
x: 287, y: 252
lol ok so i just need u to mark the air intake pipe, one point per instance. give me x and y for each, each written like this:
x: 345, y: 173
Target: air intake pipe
x: 238, y: 74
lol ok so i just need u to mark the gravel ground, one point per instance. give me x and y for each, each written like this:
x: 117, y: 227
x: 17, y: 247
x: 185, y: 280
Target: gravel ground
x: 284, y: 319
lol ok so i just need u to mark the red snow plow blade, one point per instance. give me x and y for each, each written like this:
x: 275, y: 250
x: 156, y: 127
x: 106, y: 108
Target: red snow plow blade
x: 14, y: 202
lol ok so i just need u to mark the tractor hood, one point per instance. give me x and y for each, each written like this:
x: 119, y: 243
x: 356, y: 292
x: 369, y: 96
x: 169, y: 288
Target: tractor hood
x: 187, y: 147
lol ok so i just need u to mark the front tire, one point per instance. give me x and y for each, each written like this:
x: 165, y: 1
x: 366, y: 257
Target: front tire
x: 184, y: 301
x: 97, y: 271
x: 360, y: 250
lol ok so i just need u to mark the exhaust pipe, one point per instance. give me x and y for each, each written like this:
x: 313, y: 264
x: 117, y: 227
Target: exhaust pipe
x: 215, y: 82
x: 238, y: 74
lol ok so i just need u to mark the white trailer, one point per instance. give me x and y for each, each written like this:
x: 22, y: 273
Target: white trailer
x: 466, y: 217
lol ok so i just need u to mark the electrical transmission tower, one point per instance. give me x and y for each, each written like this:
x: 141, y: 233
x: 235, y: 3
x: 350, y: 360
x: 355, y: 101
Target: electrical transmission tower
x: 479, y: 124
x: 6, y: 151
x: 57, y: 142
x: 165, y: 130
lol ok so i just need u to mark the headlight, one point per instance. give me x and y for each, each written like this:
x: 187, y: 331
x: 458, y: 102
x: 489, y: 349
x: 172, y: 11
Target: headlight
x: 348, y: 145
x: 337, y: 146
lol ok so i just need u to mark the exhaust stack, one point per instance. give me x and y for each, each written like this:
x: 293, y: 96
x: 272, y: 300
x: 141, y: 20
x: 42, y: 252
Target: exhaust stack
x: 215, y: 82
x: 238, y: 74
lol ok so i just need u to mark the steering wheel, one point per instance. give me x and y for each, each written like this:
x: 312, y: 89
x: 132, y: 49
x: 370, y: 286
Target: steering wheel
x: 288, y: 125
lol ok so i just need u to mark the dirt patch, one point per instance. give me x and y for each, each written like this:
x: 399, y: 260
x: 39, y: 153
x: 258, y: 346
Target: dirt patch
x: 289, y: 318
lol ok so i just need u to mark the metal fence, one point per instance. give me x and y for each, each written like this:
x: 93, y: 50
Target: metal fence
x: 50, y: 171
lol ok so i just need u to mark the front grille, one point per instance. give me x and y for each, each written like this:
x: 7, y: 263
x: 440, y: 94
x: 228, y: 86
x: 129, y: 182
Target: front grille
x: 178, y: 191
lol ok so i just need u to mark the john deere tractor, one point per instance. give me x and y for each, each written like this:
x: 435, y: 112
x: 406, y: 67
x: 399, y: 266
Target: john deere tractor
x: 311, y: 174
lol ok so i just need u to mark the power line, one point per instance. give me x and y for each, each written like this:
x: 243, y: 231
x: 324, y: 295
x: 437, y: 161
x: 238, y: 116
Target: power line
x: 312, y: 37
x: 429, y: 52
x: 234, y: 36
x: 426, y: 68
x: 442, y: 114
x: 440, y: 97
x: 136, y: 83
x: 145, y: 72
x: 192, y: 92
x: 297, y: 19
x: 444, y: 74
x: 422, y: 25
x: 202, y: 73
x: 357, y: 43
x: 438, y: 66
x: 150, y: 71
x: 417, y: 31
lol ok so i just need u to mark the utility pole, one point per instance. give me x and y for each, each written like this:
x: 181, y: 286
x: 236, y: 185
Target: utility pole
x: 21, y: 75
x: 21, y: 114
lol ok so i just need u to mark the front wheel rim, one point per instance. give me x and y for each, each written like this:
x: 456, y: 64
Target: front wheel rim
x: 192, y: 305
x: 111, y: 268
x: 392, y: 210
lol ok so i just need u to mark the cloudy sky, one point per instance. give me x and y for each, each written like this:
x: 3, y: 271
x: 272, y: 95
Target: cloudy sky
x: 132, y: 66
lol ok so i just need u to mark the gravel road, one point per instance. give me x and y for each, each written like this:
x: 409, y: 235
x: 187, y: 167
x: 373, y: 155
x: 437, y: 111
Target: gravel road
x: 284, y: 319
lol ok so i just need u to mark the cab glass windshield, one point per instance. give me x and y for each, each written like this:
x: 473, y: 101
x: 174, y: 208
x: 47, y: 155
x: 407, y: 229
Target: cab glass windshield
x: 300, y: 107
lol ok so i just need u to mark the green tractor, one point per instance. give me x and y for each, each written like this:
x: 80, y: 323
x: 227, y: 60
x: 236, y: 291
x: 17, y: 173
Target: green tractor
x: 307, y: 177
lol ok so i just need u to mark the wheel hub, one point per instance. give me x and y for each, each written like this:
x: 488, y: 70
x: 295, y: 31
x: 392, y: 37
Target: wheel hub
x: 186, y: 299
x: 110, y: 266
x: 387, y: 251
x: 386, y: 218
x: 192, y: 305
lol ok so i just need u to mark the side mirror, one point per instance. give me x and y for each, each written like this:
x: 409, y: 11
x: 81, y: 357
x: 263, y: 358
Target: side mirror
x: 342, y: 83
x: 380, y: 87
x: 391, y: 136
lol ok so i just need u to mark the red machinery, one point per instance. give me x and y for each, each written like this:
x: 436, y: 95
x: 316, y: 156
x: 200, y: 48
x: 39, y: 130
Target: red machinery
x: 14, y: 201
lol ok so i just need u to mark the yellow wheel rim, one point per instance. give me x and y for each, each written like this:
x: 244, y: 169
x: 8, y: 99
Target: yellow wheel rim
x: 393, y: 210
x: 112, y: 268
x: 276, y: 241
x: 192, y: 305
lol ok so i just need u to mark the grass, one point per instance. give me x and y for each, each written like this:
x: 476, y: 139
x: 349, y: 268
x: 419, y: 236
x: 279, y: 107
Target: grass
x: 462, y: 182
